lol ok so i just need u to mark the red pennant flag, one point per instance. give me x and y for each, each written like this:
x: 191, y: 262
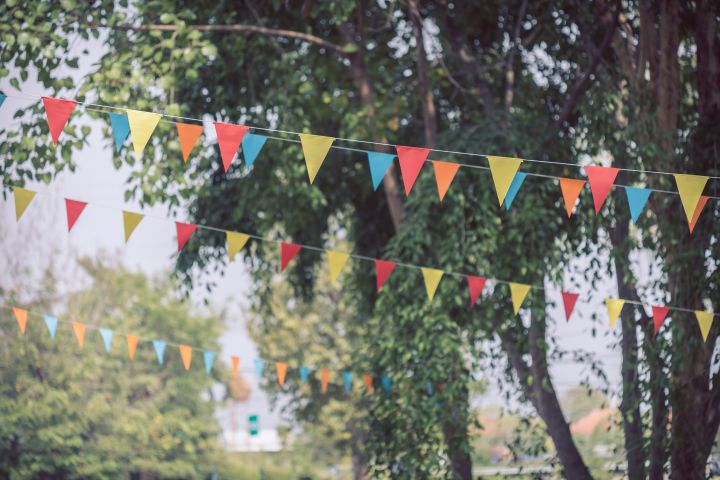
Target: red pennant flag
x: 189, y: 134
x: 368, y: 379
x: 325, y: 377
x: 444, y: 174
x: 235, y: 365
x: 186, y: 355
x: 571, y: 189
x: 132, y: 341
x: 229, y: 138
x: 698, y: 210
x: 58, y: 113
x: 383, y: 269
x: 21, y: 315
x: 411, y: 161
x: 569, y: 300
x: 281, y: 369
x: 287, y: 253
x: 601, y: 180
x: 475, y: 285
x: 184, y: 232
x: 659, y: 314
x: 73, y: 209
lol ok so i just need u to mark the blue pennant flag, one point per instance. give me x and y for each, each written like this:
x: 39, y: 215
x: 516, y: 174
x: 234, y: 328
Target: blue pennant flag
x: 107, y: 336
x: 637, y: 198
x: 429, y: 386
x: 121, y: 129
x: 517, y: 182
x: 347, y: 379
x: 208, y: 358
x: 2, y: 99
x: 259, y: 367
x: 251, y: 146
x: 379, y: 164
x: 51, y: 323
x: 304, y: 372
x: 386, y: 383
x: 159, y: 350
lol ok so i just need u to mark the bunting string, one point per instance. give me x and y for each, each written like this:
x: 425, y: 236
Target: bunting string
x: 384, y: 268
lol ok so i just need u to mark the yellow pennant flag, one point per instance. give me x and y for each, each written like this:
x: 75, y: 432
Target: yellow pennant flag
x: 336, y: 261
x: 503, y: 171
x: 705, y: 320
x: 690, y: 188
x: 130, y: 222
x: 518, y: 292
x: 315, y: 148
x: 432, y: 280
x: 614, y: 307
x: 142, y: 126
x: 23, y: 197
x: 235, y: 242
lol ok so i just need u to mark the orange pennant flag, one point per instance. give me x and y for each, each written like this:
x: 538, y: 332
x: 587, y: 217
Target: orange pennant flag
x: 698, y: 210
x: 132, y: 341
x: 79, y: 329
x: 325, y: 377
x: 235, y: 365
x: 21, y: 316
x: 444, y: 175
x: 368, y: 379
x: 186, y: 354
x: 189, y: 135
x: 281, y: 369
x: 571, y: 189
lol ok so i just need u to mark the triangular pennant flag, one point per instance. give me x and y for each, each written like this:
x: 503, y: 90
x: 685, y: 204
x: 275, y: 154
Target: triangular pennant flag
x: 188, y: 133
x: 287, y: 253
x: 659, y: 314
x: 73, y: 209
x: 304, y: 372
x: 23, y: 197
x: 315, y: 148
x: 336, y: 261
x: 107, y: 336
x: 79, y: 329
x: 142, y: 126
x: 571, y: 189
x: 259, y: 367
x: 518, y: 292
x: 386, y: 383
x: 51, y: 324
x: 120, y: 128
x: 58, y: 113
x: 569, y: 299
x: 184, y: 232
x: 705, y: 320
x: 324, y: 379
x: 132, y: 341
x: 444, y: 174
x: 432, y: 278
x: 2, y: 99
x: 601, y: 181
x: 235, y: 242
x: 186, y: 355
x: 690, y: 188
x: 476, y: 286
x: 208, y: 359
x: 698, y: 210
x: 614, y: 307
x: 21, y: 315
x: 368, y: 379
x: 411, y: 161
x: 281, y: 370
x: 379, y: 164
x: 347, y: 380
x: 637, y: 198
x: 229, y: 137
x: 159, y: 346
x: 235, y: 360
x: 503, y: 171
x: 383, y: 269
x: 130, y: 222
x: 251, y: 146
x: 514, y: 188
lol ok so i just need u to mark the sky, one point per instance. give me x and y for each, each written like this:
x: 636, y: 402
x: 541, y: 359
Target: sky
x: 152, y: 249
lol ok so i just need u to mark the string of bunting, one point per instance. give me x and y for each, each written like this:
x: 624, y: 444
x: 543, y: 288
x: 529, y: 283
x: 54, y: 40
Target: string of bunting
x: 505, y: 171
x: 337, y: 260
